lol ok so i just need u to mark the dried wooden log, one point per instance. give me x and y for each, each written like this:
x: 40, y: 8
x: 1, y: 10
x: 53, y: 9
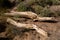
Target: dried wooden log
x: 29, y: 26
x: 47, y: 19
x: 23, y: 14
x: 31, y: 15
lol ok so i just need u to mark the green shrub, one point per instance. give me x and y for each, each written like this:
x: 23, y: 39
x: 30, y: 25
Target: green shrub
x: 37, y: 8
x: 56, y: 2
x: 48, y: 2
x: 25, y: 5
x: 21, y: 7
x: 47, y: 13
x: 30, y: 2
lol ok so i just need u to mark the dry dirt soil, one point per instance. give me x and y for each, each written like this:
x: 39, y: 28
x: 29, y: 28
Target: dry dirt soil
x: 12, y: 33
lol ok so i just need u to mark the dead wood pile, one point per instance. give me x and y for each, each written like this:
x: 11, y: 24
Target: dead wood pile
x: 32, y: 16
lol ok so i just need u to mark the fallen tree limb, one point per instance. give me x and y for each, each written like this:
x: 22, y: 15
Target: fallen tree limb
x: 45, y: 19
x: 29, y: 26
x: 31, y: 15
x: 23, y: 14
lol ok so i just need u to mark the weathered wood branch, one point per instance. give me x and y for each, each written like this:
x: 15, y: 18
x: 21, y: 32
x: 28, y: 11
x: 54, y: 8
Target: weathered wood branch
x: 46, y: 19
x: 31, y: 15
x: 29, y: 26
x: 23, y: 14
